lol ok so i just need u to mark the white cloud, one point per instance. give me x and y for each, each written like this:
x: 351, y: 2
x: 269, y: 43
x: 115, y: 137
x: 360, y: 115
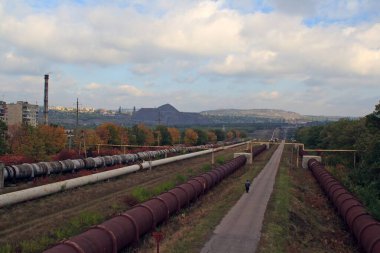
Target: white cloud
x: 269, y: 95
x: 94, y: 86
x: 131, y: 90
x: 197, y: 43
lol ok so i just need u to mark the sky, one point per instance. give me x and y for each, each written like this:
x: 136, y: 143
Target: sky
x: 311, y: 57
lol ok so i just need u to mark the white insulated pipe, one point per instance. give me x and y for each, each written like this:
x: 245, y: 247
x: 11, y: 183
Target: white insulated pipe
x: 48, y: 189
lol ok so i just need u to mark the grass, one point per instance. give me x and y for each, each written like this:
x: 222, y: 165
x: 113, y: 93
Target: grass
x: 74, y: 226
x: 300, y: 218
x: 141, y: 194
x: 220, y: 160
x: 276, y: 227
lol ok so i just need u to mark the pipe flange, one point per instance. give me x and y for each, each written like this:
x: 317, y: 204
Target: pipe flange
x: 74, y: 245
x: 111, y: 234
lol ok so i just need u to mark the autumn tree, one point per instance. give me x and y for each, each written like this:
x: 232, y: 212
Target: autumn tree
x: 53, y: 137
x: 110, y: 133
x: 190, y: 137
x: 230, y: 135
x: 211, y: 137
x: 142, y: 135
x: 26, y: 140
x: 175, y: 135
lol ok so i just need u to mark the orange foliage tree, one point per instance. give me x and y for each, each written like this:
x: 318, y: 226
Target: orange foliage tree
x: 36, y: 142
x: 191, y: 137
x: 230, y: 135
x: 175, y: 135
x: 211, y: 137
x: 110, y: 133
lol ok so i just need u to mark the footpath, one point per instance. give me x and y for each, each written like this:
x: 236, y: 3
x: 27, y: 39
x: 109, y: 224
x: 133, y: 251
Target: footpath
x: 240, y: 229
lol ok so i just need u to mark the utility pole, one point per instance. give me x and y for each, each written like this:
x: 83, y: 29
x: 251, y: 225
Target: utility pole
x: 77, y: 123
x: 46, y: 106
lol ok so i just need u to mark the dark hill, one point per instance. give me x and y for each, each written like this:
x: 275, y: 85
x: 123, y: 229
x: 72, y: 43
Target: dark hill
x: 168, y: 115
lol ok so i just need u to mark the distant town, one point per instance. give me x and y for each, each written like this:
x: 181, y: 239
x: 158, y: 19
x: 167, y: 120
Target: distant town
x: 22, y: 112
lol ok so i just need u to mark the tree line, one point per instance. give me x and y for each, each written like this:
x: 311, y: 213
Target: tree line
x: 43, y: 141
x: 362, y: 135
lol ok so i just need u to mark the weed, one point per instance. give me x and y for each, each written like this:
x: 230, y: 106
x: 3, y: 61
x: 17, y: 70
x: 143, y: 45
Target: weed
x: 220, y: 160
x: 163, y: 188
x: 180, y: 178
x: 206, y: 167
x: 6, y: 248
x: 140, y: 194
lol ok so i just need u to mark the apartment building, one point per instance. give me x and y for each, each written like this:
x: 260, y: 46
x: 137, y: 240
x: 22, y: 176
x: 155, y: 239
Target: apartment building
x: 22, y: 113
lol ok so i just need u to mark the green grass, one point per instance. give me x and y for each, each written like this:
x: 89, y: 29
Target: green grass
x: 6, y: 248
x: 141, y: 193
x: 206, y: 168
x: 75, y: 225
x: 220, y: 160
x: 275, y: 229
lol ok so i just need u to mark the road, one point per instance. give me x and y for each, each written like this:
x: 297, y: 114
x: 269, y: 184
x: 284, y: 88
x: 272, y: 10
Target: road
x: 240, y: 229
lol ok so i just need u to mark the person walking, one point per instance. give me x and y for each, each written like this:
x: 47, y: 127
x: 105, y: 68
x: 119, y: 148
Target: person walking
x: 247, y: 185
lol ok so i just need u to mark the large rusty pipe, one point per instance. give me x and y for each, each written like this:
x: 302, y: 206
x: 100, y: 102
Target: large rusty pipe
x: 120, y: 231
x: 365, y: 228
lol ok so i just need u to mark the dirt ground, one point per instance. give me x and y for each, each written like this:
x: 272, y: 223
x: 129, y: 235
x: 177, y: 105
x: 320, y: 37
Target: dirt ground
x: 31, y: 219
x: 315, y: 225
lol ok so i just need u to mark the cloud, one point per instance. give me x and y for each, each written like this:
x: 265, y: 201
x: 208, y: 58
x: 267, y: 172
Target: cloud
x: 269, y: 95
x: 131, y: 90
x: 94, y: 86
x: 205, y: 46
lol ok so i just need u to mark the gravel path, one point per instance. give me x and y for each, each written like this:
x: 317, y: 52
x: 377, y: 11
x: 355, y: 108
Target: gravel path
x: 240, y: 229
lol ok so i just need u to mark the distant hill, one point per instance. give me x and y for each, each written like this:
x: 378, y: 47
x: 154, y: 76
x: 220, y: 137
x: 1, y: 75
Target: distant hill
x: 259, y: 113
x: 168, y: 115
x: 263, y: 115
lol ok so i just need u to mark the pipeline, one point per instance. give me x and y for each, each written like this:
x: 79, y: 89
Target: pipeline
x: 258, y: 150
x: 365, y: 228
x: 120, y: 231
x: 48, y: 189
x: 33, y: 170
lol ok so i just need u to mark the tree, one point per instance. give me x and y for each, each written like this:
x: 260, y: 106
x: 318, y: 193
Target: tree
x: 111, y: 133
x: 164, y: 135
x: 175, y: 135
x: 53, y: 137
x: 3, y: 134
x: 190, y: 137
x: 26, y: 140
x: 211, y: 137
x: 202, y: 137
x: 142, y: 135
x: 220, y: 134
x: 230, y: 135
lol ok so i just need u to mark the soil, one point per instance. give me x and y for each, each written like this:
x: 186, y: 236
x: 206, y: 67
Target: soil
x: 315, y: 226
x: 31, y: 219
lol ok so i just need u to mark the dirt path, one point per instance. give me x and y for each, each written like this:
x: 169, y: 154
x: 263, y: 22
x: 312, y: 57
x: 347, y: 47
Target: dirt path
x: 240, y: 229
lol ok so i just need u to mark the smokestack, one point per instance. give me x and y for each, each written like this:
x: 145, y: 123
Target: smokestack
x: 46, y: 108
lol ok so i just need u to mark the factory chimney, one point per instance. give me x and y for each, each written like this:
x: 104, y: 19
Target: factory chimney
x: 46, y: 108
